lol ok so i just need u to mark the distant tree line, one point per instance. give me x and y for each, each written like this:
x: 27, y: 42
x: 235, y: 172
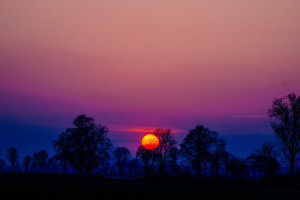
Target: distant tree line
x: 86, y: 150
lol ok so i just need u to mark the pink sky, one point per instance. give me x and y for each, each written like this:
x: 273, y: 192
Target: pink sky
x: 141, y: 63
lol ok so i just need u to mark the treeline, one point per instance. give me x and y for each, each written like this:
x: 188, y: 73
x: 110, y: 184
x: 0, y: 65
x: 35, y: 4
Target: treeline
x: 86, y: 150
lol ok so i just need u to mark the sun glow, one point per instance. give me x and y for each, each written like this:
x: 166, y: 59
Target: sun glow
x: 150, y: 141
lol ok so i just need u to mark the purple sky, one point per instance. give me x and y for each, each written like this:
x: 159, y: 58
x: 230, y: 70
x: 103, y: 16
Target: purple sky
x: 145, y: 64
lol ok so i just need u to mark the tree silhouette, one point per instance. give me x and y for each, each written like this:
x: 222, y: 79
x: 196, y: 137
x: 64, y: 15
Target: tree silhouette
x: 238, y: 167
x: 132, y: 167
x: 2, y: 164
x: 195, y: 146
x: 148, y: 157
x: 12, y: 157
x: 83, y: 145
x: 218, y: 154
x: 226, y: 162
x: 257, y: 163
x: 35, y: 161
x: 174, y: 156
x: 63, y: 147
x: 206, y: 159
x: 270, y: 154
x: 42, y: 159
x: 51, y: 164
x: 105, y: 158
x: 285, y: 121
x: 166, y: 145
x: 26, y: 162
x: 121, y: 155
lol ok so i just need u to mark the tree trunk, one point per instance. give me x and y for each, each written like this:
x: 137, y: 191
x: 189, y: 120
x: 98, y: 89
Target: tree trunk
x: 292, y: 164
x: 64, y: 167
x: 226, y: 171
x: 80, y: 172
x: 216, y: 172
x: 147, y: 168
x: 198, y: 170
x: 205, y: 169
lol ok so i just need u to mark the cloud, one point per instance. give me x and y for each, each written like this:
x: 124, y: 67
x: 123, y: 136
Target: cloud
x: 249, y: 116
x: 140, y: 129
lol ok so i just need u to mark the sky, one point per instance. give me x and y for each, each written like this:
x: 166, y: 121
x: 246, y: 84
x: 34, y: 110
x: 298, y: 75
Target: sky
x: 137, y: 65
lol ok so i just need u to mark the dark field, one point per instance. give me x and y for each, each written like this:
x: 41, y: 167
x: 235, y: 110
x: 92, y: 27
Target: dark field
x: 102, y: 188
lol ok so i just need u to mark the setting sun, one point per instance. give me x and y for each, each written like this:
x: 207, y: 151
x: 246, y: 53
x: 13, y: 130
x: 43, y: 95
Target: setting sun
x: 150, y: 141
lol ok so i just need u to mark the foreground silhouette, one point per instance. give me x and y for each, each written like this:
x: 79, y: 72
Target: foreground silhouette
x: 102, y: 188
x: 84, y: 145
x: 285, y: 116
x: 86, y: 150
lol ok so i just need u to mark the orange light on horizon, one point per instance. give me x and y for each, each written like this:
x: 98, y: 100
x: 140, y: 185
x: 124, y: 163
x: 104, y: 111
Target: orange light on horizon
x: 150, y: 141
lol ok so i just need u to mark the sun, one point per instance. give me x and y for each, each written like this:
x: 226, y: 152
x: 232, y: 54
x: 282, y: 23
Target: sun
x: 150, y: 141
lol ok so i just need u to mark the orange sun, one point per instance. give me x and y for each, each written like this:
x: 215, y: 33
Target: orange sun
x: 150, y: 141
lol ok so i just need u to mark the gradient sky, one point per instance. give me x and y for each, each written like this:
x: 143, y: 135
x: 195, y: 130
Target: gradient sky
x: 140, y: 64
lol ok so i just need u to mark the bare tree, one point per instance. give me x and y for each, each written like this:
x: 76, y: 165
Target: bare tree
x: 12, y: 157
x: 121, y: 155
x: 167, y: 143
x: 285, y: 121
